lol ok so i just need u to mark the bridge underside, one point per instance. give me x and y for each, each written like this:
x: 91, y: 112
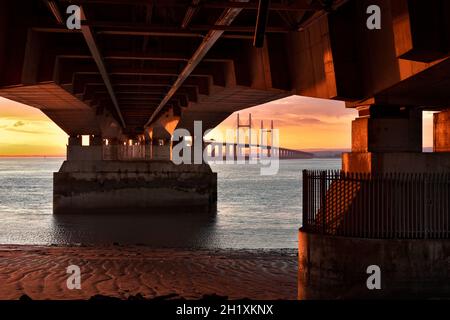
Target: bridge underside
x: 137, y: 70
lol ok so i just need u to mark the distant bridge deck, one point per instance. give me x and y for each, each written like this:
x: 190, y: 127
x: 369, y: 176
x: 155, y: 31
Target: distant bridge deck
x: 282, y: 153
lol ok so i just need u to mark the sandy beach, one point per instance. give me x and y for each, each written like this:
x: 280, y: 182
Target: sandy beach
x: 118, y: 271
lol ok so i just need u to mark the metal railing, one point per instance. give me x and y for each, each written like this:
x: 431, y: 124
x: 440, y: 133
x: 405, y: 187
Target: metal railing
x: 379, y: 206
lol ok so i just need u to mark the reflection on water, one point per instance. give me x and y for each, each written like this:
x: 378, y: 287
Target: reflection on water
x: 159, y: 229
x: 253, y: 211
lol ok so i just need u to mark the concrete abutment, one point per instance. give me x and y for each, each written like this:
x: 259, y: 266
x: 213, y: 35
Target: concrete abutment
x: 388, y: 139
x: 386, y: 142
x: 82, y: 187
x: 336, y: 268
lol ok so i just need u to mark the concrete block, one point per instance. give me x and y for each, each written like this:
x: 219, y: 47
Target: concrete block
x: 441, y: 131
x: 84, y: 187
x: 335, y: 268
x: 407, y: 162
x: 84, y: 153
x: 386, y: 135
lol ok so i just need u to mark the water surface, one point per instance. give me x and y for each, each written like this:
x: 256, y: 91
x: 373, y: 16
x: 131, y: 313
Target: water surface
x: 254, y: 211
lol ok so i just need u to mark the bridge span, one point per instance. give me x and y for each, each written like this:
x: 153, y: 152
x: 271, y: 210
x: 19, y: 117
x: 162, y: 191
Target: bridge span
x: 136, y: 70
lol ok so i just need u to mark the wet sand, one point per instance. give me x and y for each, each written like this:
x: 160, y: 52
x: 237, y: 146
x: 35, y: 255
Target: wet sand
x: 123, y: 271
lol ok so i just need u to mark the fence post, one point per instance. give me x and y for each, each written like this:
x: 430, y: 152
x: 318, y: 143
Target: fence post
x: 323, y: 196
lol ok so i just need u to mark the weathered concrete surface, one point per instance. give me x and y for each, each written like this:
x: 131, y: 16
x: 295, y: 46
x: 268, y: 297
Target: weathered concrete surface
x: 389, y: 139
x: 441, y: 131
x: 161, y: 152
x: 133, y: 186
x: 84, y: 153
x: 335, y: 268
x: 387, y: 135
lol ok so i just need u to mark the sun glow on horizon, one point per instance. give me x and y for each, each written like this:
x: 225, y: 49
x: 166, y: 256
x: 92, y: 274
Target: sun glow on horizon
x: 303, y: 123
x: 26, y: 131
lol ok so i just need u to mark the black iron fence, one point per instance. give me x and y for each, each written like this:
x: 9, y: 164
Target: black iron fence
x: 380, y: 206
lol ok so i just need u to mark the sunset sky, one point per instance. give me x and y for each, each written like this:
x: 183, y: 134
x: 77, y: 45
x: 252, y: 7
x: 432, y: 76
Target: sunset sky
x: 304, y: 123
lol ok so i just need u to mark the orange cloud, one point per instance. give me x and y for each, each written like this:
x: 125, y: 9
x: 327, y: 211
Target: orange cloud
x: 303, y: 123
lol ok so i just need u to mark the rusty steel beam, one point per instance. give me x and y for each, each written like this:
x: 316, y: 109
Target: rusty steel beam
x: 127, y: 56
x: 181, y: 94
x: 136, y: 72
x: 53, y: 29
x: 156, y: 33
x: 139, y: 56
x: 134, y: 94
x: 304, y: 5
x: 139, y: 29
x: 135, y: 84
x: 190, y: 13
x: 125, y: 29
x: 129, y: 28
x: 165, y: 3
x: 210, y: 39
x: 186, y: 34
x: 248, y: 29
x: 95, y: 52
x: 53, y: 7
x: 93, y: 47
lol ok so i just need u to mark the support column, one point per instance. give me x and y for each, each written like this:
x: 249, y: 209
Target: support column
x: 113, y: 149
x: 129, y: 185
x: 148, y: 148
x: 441, y: 131
x: 77, y: 152
x: 161, y: 143
x: 74, y: 146
x: 95, y: 140
x: 75, y: 140
x: 387, y: 139
x: 161, y: 149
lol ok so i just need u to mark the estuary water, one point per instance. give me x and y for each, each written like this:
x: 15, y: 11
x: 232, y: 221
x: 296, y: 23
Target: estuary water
x: 253, y: 211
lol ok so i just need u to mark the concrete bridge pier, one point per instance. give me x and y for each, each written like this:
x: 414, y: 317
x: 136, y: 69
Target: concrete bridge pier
x: 389, y: 139
x: 441, y: 132
x: 161, y: 149
x: 148, y: 148
x: 114, y: 144
x: 161, y: 144
x: 408, y: 211
x: 102, y: 178
x: 386, y: 139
